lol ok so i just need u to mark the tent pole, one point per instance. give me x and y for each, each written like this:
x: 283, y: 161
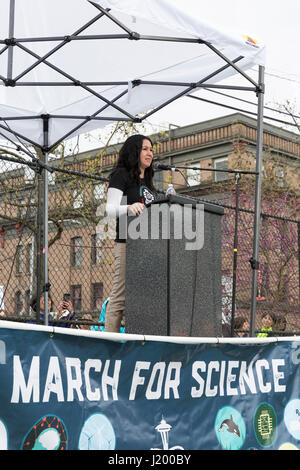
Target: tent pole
x: 45, y: 219
x: 38, y: 243
x: 255, y: 258
x: 11, y: 35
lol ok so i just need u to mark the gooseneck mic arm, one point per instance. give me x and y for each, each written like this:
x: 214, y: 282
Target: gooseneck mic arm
x: 161, y: 166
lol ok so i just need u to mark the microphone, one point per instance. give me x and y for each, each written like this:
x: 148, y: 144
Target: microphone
x: 161, y: 166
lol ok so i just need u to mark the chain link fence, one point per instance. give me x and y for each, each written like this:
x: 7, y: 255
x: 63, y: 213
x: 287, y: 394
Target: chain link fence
x: 81, y: 262
x: 278, y: 285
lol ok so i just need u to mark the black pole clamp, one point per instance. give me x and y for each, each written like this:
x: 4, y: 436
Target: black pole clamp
x: 46, y: 287
x: 254, y: 263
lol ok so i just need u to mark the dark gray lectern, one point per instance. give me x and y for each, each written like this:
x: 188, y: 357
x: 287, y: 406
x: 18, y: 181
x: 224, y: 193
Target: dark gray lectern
x: 173, y: 281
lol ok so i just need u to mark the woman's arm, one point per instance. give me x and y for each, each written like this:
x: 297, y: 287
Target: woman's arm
x: 114, y: 207
x: 113, y: 203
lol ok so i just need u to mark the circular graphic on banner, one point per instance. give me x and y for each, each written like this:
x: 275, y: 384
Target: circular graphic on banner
x: 292, y: 418
x: 230, y: 428
x: 3, y: 436
x: 288, y: 446
x: 97, y: 433
x: 48, y: 433
x: 265, y: 422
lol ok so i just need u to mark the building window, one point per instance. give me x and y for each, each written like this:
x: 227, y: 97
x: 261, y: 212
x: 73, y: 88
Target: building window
x: 220, y: 164
x: 27, y: 302
x: 76, y: 297
x: 51, y: 178
x: 19, y: 259
x: 77, y: 199
x: 97, y: 296
x: 193, y: 176
x: 29, y: 175
x: 263, y: 174
x: 76, y: 252
x: 19, y: 303
x: 279, y: 175
x: 31, y: 209
x: 29, y: 258
x: 99, y: 192
x: 21, y: 211
x: 2, y: 307
x: 96, y: 251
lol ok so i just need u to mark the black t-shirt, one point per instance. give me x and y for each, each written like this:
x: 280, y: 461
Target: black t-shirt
x: 132, y: 192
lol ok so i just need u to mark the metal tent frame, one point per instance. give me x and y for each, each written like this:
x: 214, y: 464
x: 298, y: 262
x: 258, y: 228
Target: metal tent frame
x: 8, y: 45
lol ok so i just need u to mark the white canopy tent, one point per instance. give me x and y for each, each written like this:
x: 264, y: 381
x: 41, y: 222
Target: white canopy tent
x: 71, y: 66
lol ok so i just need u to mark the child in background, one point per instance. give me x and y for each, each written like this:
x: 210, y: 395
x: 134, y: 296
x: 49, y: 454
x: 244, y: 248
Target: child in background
x: 267, y: 321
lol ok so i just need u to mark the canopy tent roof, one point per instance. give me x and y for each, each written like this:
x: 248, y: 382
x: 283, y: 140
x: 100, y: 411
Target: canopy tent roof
x: 86, y: 63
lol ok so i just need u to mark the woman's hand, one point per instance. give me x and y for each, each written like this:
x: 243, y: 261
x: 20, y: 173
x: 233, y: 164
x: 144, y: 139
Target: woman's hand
x: 63, y: 306
x: 136, y: 208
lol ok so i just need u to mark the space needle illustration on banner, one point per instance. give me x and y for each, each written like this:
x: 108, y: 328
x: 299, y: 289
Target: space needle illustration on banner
x: 164, y: 428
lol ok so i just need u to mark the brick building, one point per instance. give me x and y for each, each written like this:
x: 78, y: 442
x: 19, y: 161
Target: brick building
x: 77, y: 262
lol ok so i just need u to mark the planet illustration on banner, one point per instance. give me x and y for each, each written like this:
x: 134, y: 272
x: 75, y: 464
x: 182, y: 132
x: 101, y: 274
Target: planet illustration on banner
x: 288, y: 446
x: 230, y: 428
x: 48, y: 433
x: 97, y: 433
x: 292, y: 418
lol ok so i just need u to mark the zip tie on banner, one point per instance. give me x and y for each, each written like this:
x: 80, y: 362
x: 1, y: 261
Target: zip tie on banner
x: 52, y: 332
x: 143, y: 342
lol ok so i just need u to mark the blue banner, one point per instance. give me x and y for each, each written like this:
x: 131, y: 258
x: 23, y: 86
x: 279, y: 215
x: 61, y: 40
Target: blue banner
x: 63, y: 392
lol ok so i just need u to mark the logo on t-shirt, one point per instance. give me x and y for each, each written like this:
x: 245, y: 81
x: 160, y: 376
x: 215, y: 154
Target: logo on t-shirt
x: 146, y: 195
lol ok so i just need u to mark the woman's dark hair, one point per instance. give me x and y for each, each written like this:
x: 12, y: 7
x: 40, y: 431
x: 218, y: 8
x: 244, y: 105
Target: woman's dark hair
x: 129, y: 158
x: 33, y: 301
x: 265, y: 313
x: 239, y: 322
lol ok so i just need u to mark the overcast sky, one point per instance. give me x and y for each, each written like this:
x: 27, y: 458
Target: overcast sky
x: 274, y: 23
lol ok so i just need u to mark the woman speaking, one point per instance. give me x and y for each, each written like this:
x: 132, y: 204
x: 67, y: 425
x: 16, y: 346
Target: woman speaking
x: 130, y: 188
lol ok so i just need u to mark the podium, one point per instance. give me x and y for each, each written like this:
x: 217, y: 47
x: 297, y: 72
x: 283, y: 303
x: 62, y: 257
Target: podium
x: 173, y: 283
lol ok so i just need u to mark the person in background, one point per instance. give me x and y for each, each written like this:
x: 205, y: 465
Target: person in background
x: 280, y: 324
x: 241, y: 327
x: 132, y: 179
x: 86, y: 326
x: 267, y: 321
x: 65, y: 310
x: 102, y: 319
x: 226, y: 330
